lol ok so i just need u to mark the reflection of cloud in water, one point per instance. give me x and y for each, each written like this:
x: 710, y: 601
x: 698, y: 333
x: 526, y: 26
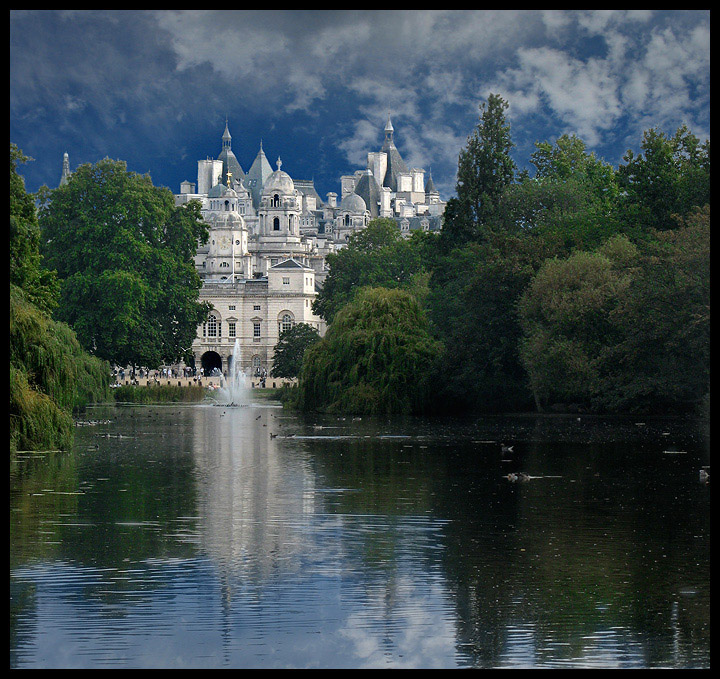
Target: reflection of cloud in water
x: 417, y: 631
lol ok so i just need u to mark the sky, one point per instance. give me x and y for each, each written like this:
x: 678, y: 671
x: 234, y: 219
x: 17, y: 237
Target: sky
x: 154, y: 88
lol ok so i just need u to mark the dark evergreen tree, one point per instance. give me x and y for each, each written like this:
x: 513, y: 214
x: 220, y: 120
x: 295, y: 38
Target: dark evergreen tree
x: 485, y: 169
x: 290, y: 349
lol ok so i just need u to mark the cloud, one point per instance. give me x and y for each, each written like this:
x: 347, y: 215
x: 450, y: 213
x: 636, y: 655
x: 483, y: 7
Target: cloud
x: 137, y: 83
x: 649, y: 74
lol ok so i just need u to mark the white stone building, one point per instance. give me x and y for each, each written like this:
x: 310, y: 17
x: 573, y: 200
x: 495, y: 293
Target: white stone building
x: 269, y: 235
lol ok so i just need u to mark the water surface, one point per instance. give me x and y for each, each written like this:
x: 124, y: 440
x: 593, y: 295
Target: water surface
x: 201, y: 536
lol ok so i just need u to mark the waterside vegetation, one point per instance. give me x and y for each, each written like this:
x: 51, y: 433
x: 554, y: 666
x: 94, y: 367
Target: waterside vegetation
x: 50, y: 373
x: 584, y: 288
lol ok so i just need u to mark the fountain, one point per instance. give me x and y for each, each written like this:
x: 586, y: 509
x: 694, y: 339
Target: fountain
x: 234, y: 391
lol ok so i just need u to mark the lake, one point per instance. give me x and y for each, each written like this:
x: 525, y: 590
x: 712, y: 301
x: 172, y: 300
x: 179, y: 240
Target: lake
x: 204, y: 536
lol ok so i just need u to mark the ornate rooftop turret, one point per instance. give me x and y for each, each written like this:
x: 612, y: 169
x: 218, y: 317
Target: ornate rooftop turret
x: 229, y: 161
x: 395, y: 163
x: 65, y: 176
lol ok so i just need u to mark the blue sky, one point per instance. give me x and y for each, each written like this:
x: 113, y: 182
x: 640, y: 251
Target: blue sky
x: 153, y: 88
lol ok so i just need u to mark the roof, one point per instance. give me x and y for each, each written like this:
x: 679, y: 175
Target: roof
x: 290, y: 264
x: 367, y: 188
x: 395, y: 165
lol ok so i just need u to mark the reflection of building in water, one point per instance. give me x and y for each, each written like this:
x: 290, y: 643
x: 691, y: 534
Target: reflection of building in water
x: 251, y: 502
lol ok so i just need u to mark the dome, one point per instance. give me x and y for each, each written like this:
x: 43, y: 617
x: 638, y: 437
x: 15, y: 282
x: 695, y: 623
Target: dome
x: 231, y: 219
x: 353, y: 203
x: 279, y: 182
x: 220, y: 190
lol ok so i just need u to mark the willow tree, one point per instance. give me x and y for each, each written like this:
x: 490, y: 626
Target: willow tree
x: 49, y: 372
x: 124, y: 253
x: 376, y: 358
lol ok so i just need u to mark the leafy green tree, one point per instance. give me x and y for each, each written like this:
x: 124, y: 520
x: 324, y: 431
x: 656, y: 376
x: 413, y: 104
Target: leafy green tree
x: 661, y: 361
x: 669, y: 179
x: 376, y: 358
x: 472, y: 305
x: 124, y: 253
x: 570, y: 203
x: 565, y: 314
x: 49, y: 373
x: 377, y: 256
x: 485, y: 169
x: 39, y: 285
x: 290, y: 349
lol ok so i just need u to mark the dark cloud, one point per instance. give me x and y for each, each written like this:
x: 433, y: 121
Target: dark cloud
x: 154, y: 87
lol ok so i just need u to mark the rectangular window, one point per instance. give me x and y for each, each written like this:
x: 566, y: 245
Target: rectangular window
x: 256, y: 307
x: 231, y: 329
x: 286, y: 280
x: 232, y: 307
x: 256, y: 329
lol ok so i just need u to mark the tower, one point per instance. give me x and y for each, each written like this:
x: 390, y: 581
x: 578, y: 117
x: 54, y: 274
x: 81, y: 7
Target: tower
x: 229, y: 161
x: 65, y: 176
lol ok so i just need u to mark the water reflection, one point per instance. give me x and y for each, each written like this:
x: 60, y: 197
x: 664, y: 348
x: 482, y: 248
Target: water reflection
x: 207, y: 536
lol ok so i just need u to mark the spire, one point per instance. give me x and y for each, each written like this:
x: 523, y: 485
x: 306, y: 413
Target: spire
x: 389, y: 132
x: 65, y: 170
x: 226, y: 138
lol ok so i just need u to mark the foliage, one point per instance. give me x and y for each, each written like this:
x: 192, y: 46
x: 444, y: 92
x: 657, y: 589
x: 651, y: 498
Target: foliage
x: 662, y: 358
x: 669, y: 179
x: 549, y: 291
x: 40, y: 286
x: 124, y: 253
x: 49, y: 372
x: 160, y: 393
x: 624, y: 328
x: 377, y: 256
x: 376, y: 358
x: 565, y: 314
x: 472, y: 300
x: 290, y: 349
x: 485, y: 169
x: 49, y: 375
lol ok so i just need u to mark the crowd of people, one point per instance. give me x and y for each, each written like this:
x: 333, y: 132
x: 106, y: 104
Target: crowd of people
x: 128, y: 375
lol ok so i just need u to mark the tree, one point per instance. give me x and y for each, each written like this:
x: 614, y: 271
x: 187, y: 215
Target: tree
x: 290, y: 349
x: 26, y: 271
x: 669, y: 179
x: 124, y: 253
x: 565, y: 314
x: 377, y: 256
x: 49, y: 373
x: 472, y: 305
x: 376, y: 358
x: 661, y: 360
x: 485, y: 168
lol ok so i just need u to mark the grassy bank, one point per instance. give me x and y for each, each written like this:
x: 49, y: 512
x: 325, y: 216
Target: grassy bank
x: 159, y: 393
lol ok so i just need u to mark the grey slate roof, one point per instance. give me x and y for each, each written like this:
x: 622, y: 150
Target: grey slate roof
x: 289, y: 264
x: 367, y: 188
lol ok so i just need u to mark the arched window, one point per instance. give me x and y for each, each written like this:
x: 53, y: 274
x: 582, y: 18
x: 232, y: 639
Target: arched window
x: 285, y: 323
x: 276, y: 200
x: 227, y: 205
x: 276, y: 224
x: 347, y: 220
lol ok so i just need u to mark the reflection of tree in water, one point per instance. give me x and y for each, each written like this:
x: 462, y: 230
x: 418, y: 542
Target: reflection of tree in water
x: 546, y: 569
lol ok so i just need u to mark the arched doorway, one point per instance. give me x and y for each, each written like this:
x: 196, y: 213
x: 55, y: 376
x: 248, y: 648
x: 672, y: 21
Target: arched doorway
x: 209, y: 361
